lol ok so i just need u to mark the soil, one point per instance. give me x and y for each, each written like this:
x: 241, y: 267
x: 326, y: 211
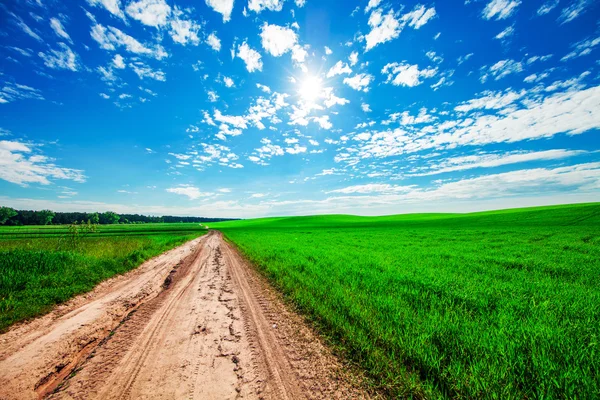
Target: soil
x: 197, y: 322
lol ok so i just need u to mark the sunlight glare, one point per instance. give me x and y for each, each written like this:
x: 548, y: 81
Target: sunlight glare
x: 310, y: 88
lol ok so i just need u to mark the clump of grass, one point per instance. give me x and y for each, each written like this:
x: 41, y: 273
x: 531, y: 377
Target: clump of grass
x: 485, y: 305
x: 37, y: 273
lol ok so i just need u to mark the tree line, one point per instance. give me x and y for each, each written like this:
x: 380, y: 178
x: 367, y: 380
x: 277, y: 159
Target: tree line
x: 10, y: 216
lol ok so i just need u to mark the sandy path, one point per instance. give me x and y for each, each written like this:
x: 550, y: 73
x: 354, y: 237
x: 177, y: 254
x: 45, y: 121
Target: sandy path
x: 194, y: 323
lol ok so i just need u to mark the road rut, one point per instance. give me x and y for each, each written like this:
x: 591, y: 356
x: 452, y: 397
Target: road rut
x: 194, y: 323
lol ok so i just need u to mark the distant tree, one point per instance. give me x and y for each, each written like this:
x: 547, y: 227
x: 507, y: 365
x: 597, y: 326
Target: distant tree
x: 6, y: 213
x: 110, y: 217
x: 30, y: 217
x: 44, y: 217
x: 95, y: 218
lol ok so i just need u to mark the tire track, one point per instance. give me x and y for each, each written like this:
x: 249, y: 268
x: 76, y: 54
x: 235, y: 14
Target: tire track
x: 37, y: 355
x: 213, y: 330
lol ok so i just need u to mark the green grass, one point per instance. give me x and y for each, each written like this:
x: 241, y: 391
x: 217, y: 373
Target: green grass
x: 502, y: 304
x: 40, y: 267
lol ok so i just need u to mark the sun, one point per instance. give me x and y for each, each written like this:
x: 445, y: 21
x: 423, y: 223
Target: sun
x: 310, y: 88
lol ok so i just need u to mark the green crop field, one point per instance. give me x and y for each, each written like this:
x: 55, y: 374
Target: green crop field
x: 502, y: 304
x: 41, y: 266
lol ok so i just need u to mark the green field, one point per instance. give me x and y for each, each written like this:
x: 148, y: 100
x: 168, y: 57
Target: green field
x: 502, y: 304
x: 41, y: 266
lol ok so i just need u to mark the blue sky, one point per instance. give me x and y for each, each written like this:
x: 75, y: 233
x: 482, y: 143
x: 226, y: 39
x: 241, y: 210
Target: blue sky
x: 245, y: 108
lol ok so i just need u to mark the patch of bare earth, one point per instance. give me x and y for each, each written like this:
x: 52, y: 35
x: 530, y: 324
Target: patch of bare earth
x: 194, y: 323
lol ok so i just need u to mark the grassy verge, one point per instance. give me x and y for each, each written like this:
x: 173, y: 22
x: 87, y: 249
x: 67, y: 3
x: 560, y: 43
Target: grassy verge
x: 486, y: 305
x: 39, y: 272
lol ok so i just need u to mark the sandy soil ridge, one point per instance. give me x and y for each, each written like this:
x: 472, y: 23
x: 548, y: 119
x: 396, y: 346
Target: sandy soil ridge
x: 194, y: 323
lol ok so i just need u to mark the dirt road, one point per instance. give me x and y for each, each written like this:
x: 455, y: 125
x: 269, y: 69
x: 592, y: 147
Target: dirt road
x: 196, y: 322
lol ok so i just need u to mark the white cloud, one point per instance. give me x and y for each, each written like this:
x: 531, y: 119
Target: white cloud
x: 502, y: 69
x: 533, y: 59
x: 401, y: 74
x: 573, y: 11
x: 491, y: 160
x: 225, y: 130
x: 237, y: 121
x: 500, y: 9
x: 277, y: 40
x: 214, y: 42
x: 464, y: 58
x: 266, y: 108
x: 112, y: 6
x: 419, y: 16
x: 250, y: 56
x: 264, y: 88
x: 383, y: 28
x: 258, y: 5
x: 491, y: 101
x: 574, y: 83
x: 58, y: 28
x: 547, y: 7
x: 13, y: 91
x: 144, y: 71
x: 149, y: 12
x: 353, y: 58
x: 372, y: 4
x: 183, y: 31
x: 208, y: 155
x: 107, y: 74
x: 212, y: 97
x: 118, y: 61
x: 433, y: 56
x: 297, y: 149
x: 405, y: 118
x: 331, y: 99
x: 190, y: 191
x: 228, y: 81
x: 338, y: 69
x: 57, y: 59
x: 579, y: 178
x: 387, y: 27
x: 223, y: 7
x: 493, y: 118
x: 384, y: 204
x: 323, y: 122
x: 359, y: 82
x: 264, y: 153
x: 110, y: 38
x: 21, y: 164
x: 25, y: 28
x: 372, y: 188
x: 582, y: 48
x: 299, y: 55
x: 536, y: 77
x: 23, y: 52
x: 509, y: 31
x: 365, y: 107
x: 328, y: 51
